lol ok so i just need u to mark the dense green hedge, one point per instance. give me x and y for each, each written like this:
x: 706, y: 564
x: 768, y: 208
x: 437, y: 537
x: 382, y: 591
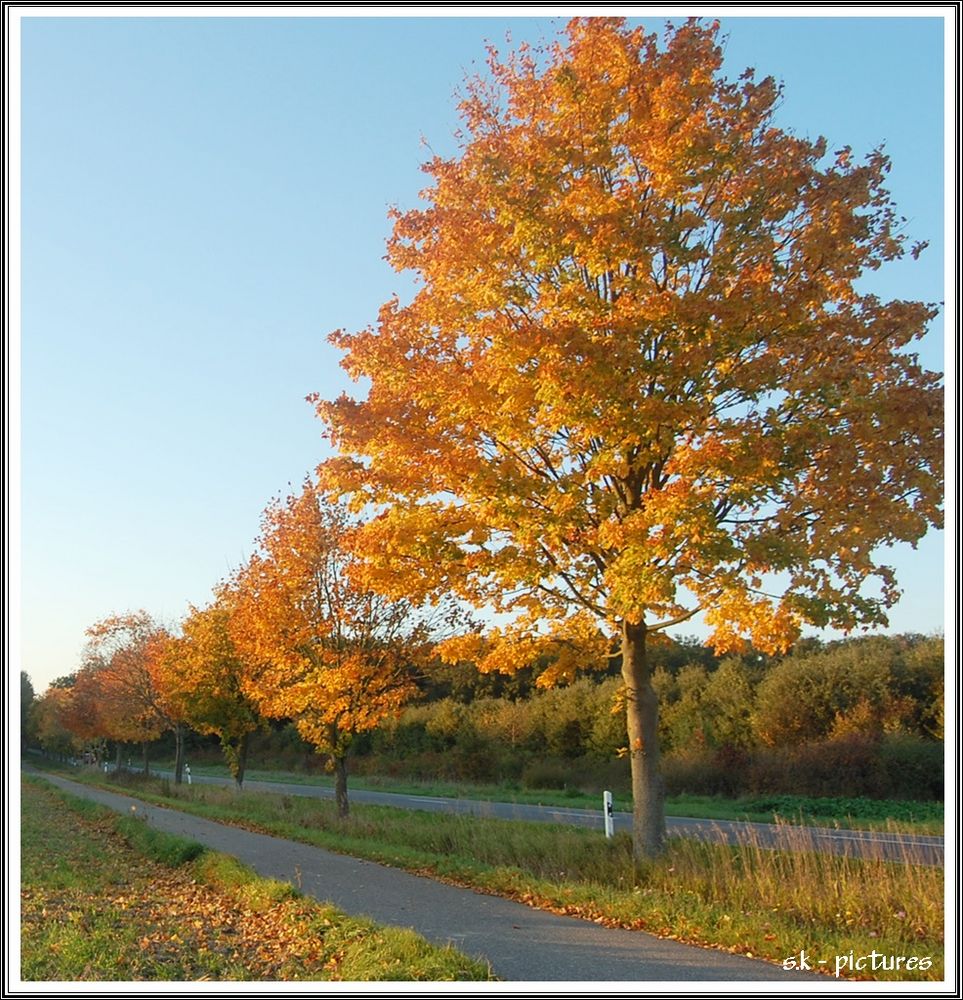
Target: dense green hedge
x: 891, y: 767
x: 859, y: 717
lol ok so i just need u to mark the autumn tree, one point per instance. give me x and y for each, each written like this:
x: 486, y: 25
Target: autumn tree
x: 48, y: 720
x: 28, y: 699
x: 331, y: 656
x: 203, y: 676
x: 639, y: 378
x: 87, y: 709
x: 122, y: 665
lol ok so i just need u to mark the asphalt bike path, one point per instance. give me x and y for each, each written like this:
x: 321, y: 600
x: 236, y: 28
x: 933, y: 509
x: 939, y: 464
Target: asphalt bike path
x: 521, y: 944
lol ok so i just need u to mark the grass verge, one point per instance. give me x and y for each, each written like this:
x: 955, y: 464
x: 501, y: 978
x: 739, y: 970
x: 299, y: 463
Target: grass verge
x: 746, y: 899
x: 847, y: 813
x: 110, y: 898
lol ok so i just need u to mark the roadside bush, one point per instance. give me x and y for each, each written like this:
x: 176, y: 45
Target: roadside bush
x: 476, y: 759
x: 854, y: 765
x: 407, y: 735
x: 505, y: 723
x: 564, y: 717
x: 547, y: 774
x: 702, y: 772
x: 848, y: 765
x: 699, y: 708
x: 921, y: 679
x: 681, y: 722
x: 596, y: 776
x: 448, y: 721
x: 727, y: 702
x: 607, y: 736
x: 873, y: 685
x: 586, y: 774
x: 854, y: 717
x: 430, y: 765
x: 911, y: 768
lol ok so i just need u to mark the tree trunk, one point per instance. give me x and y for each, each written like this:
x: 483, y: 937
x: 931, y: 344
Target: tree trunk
x: 642, y: 723
x: 241, y: 760
x: 178, y: 753
x: 117, y: 764
x: 146, y: 760
x: 341, y: 785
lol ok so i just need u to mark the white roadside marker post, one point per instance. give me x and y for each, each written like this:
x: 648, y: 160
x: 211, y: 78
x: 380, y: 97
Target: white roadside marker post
x: 609, y: 816
x: 187, y: 768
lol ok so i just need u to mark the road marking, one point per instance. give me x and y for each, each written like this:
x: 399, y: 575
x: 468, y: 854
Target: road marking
x: 881, y: 839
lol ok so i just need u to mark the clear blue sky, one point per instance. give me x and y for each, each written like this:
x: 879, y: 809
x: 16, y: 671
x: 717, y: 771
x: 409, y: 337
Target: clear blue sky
x: 204, y: 199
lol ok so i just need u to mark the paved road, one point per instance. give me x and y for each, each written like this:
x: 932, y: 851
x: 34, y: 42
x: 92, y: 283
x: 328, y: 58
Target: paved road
x: 521, y: 944
x: 915, y: 848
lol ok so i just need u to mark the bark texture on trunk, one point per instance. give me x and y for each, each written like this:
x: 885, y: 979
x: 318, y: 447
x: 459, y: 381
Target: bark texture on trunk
x: 642, y: 723
x: 241, y: 760
x: 341, y: 785
x: 178, y: 753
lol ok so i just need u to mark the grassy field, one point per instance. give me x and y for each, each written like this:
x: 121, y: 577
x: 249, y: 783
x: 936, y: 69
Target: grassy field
x: 109, y: 898
x: 748, y: 900
x: 850, y: 813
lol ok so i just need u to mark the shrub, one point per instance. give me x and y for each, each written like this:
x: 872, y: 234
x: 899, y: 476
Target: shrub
x: 547, y: 774
x: 911, y: 768
x: 701, y: 772
x: 848, y: 765
x: 681, y: 722
x: 447, y: 721
x: 505, y: 723
x: 854, y: 765
x: 564, y: 718
x: 728, y: 700
x: 607, y: 736
x: 872, y: 685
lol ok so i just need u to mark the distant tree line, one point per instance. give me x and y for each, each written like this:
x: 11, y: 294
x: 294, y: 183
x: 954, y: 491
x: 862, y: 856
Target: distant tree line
x: 857, y: 717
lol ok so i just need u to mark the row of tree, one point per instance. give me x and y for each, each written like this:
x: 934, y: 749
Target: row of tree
x: 639, y: 380
x: 290, y: 635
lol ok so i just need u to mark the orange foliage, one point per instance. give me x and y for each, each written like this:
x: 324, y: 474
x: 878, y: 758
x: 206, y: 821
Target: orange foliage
x: 330, y: 655
x: 118, y: 694
x: 52, y: 713
x: 639, y: 379
x: 203, y: 676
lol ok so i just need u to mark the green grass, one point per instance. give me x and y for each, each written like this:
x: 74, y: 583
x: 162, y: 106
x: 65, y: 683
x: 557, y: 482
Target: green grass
x: 748, y: 899
x: 847, y: 813
x: 108, y: 898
